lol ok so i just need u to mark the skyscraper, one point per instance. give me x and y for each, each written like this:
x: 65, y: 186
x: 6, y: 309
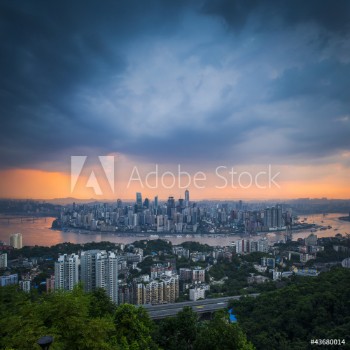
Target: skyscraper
x: 146, y: 203
x: 88, y: 269
x: 107, y: 274
x: 99, y: 269
x: 16, y: 240
x: 187, y: 198
x: 139, y: 199
x: 279, y: 217
x: 171, y: 207
x: 67, y: 271
x: 268, y: 217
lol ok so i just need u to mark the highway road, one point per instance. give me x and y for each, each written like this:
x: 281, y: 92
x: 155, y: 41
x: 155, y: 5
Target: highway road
x: 200, y: 306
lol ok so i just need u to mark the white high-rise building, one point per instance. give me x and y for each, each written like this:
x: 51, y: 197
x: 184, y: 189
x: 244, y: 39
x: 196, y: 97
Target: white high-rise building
x: 67, y: 271
x: 242, y: 246
x: 107, y: 274
x: 263, y: 246
x: 16, y: 240
x: 99, y: 269
x: 3, y: 260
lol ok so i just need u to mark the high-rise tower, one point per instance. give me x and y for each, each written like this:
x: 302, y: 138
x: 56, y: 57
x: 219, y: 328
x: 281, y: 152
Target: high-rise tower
x: 16, y: 240
x: 67, y: 271
x: 187, y: 198
x: 99, y: 269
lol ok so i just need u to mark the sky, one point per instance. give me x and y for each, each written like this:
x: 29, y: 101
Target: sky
x: 260, y: 89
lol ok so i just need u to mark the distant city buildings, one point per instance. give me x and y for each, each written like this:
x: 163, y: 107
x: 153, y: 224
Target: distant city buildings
x: 174, y: 216
x: 273, y: 217
x: 244, y: 246
x: 171, y: 216
x: 187, y: 198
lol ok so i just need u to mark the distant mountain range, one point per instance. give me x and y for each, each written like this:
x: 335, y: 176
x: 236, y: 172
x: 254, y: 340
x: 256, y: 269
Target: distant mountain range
x: 70, y: 200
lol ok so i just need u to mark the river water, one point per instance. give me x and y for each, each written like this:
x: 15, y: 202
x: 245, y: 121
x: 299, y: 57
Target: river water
x: 38, y: 232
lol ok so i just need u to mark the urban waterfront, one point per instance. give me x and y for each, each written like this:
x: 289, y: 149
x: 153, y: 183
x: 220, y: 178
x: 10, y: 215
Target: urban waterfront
x: 39, y: 232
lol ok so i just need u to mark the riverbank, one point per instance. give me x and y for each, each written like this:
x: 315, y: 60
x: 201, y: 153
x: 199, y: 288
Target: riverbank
x: 39, y: 232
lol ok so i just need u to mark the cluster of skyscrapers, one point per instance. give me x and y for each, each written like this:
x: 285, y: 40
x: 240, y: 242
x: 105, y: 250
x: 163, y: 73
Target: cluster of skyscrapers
x: 174, y: 216
x: 171, y: 215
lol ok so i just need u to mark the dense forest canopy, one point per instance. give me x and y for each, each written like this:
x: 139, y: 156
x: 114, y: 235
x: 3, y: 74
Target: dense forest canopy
x: 89, y: 321
x: 309, y: 308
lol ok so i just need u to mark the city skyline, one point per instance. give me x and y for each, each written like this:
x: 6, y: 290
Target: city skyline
x: 244, y: 87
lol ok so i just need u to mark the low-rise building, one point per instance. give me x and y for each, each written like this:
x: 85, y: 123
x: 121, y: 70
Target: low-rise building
x: 306, y: 257
x: 25, y: 285
x: 268, y: 262
x: 198, y: 275
x: 8, y: 280
x: 50, y: 284
x: 257, y: 279
x: 197, y: 293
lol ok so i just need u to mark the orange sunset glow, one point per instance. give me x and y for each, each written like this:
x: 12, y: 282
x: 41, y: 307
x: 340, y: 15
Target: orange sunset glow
x: 37, y: 184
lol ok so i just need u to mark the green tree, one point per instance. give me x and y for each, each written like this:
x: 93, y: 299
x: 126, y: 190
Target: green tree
x: 100, y: 304
x: 179, y: 332
x: 133, y: 328
x: 310, y: 308
x: 64, y: 315
x: 221, y: 335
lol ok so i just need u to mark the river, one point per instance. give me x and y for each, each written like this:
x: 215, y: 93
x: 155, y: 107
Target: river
x: 38, y: 232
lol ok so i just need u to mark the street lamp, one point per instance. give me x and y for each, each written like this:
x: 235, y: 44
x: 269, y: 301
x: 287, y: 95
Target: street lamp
x: 45, y: 342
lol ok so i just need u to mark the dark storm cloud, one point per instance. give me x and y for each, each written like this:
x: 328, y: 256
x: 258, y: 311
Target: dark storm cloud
x: 333, y: 15
x: 51, y: 50
x: 167, y: 82
x: 326, y: 78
